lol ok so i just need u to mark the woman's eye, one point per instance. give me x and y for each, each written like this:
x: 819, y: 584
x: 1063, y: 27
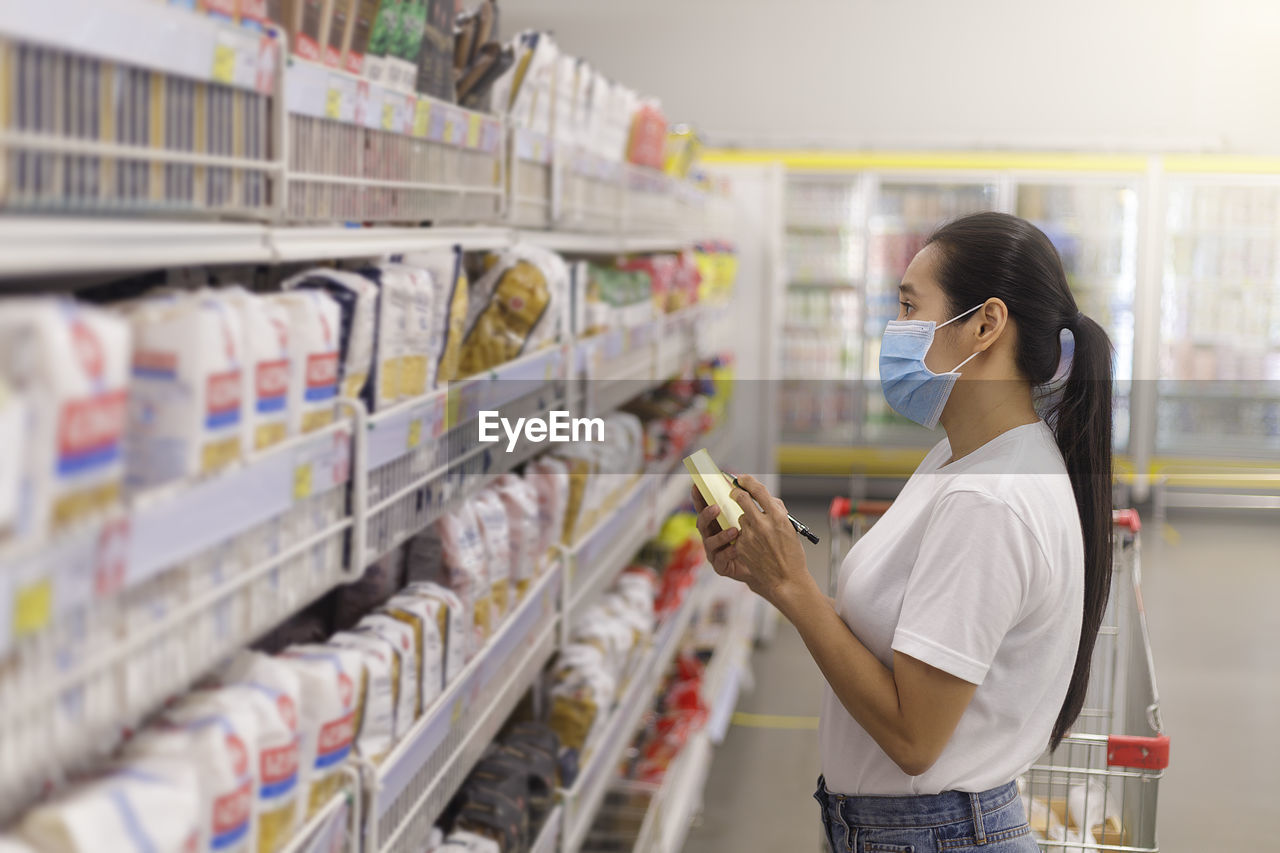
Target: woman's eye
x: 906, y: 306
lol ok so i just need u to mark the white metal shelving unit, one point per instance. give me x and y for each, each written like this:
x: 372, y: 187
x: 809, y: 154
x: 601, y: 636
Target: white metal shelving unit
x: 104, y: 622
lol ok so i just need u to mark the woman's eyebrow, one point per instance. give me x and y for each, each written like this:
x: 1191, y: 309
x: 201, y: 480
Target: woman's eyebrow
x: 907, y: 288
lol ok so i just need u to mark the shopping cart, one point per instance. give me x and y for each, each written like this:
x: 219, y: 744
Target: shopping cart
x: 1097, y: 790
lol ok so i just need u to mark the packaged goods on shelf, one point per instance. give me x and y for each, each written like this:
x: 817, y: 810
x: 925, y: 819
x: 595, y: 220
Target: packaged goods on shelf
x: 683, y: 149
x: 550, y: 478
x: 378, y: 724
x: 357, y: 299
x: 308, y: 24
x: 453, y: 553
x: 422, y: 615
x: 382, y: 34
x: 495, y: 532
x: 221, y: 749
x: 186, y: 404
x: 314, y: 319
x: 617, y: 297
x: 363, y: 18
x: 280, y: 771
x: 13, y: 436
x: 273, y: 750
x: 450, y: 277
x: 327, y: 711
x: 264, y: 325
x: 582, y: 691
x: 409, y: 292
x: 66, y: 366
x: 451, y: 617
x: 391, y: 337
x: 519, y: 304
x: 401, y: 638
x: 147, y: 805
x: 646, y: 145
x: 600, y: 471
x: 520, y: 500
x: 678, y: 714
x: 434, y: 62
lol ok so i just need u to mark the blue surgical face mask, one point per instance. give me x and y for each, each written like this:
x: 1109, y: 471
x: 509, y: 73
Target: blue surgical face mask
x: 911, y: 388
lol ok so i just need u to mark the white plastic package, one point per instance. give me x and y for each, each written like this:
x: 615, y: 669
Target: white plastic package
x: 417, y: 612
x: 550, y: 479
x: 378, y: 722
x: 454, y: 623
x: 495, y: 531
x: 454, y: 551
x: 220, y: 746
x: 520, y: 498
x: 186, y: 405
x: 265, y: 327
x: 402, y: 640
x: 141, y: 806
x: 314, y: 321
x: 69, y: 364
x: 274, y: 752
x: 330, y: 681
x: 357, y: 299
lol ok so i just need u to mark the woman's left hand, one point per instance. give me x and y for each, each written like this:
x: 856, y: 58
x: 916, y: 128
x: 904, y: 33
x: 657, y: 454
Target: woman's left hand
x: 766, y: 553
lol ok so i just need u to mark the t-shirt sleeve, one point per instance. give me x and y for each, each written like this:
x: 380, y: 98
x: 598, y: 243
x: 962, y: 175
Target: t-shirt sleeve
x: 968, y: 585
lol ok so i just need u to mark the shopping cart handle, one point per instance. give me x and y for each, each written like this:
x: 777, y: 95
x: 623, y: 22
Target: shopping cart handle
x: 840, y: 508
x: 1127, y: 518
x: 1149, y: 753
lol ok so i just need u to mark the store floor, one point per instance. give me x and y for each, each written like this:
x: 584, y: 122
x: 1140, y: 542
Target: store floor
x: 1211, y: 584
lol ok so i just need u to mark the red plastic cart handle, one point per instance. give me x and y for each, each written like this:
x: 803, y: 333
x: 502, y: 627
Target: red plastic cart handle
x: 840, y: 507
x: 1127, y: 518
x: 1149, y: 753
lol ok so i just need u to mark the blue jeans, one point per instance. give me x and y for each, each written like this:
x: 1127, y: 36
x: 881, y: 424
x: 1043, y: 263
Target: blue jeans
x: 990, y: 822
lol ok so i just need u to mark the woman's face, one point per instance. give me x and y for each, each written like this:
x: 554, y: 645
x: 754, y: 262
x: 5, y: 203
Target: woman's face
x: 920, y: 297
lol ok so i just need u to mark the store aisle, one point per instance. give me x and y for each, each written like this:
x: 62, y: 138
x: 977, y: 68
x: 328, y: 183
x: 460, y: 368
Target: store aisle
x: 759, y: 794
x: 1211, y: 590
x: 1211, y: 593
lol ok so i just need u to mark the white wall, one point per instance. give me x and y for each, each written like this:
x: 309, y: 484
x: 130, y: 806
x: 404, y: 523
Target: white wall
x: 1145, y: 75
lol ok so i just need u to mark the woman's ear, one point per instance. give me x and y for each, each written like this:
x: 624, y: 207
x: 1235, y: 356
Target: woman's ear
x: 993, y: 317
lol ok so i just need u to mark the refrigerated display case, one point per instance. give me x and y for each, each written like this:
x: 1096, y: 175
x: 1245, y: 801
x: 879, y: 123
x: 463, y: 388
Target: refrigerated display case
x: 1093, y: 223
x: 1218, y: 394
x: 825, y: 245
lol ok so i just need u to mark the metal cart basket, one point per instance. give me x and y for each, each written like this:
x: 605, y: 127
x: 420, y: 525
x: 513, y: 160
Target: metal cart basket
x: 1097, y: 790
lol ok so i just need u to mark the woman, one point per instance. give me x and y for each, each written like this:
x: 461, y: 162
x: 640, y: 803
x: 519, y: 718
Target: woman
x: 959, y: 643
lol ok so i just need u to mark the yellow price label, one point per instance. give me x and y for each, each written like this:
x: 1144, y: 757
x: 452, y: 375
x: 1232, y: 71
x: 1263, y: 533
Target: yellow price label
x: 473, y: 131
x: 224, y: 63
x: 32, y: 607
x: 415, y: 433
x: 333, y: 103
x: 302, y: 482
x: 388, y: 116
x: 421, y: 117
x: 451, y: 408
x: 456, y: 714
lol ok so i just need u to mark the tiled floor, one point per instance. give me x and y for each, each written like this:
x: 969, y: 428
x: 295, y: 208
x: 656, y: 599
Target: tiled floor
x: 1212, y: 587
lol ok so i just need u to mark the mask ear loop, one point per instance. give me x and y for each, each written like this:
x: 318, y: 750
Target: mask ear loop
x: 952, y: 320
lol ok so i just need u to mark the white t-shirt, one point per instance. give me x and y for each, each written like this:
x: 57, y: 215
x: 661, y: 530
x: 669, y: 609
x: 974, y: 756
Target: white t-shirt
x: 978, y: 570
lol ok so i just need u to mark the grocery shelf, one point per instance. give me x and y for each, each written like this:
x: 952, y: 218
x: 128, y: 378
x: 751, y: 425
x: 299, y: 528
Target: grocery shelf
x: 583, y: 799
x: 722, y: 680
x: 331, y: 827
x: 42, y: 245
x: 424, y: 770
x: 675, y: 803
x: 548, y: 840
x: 55, y: 245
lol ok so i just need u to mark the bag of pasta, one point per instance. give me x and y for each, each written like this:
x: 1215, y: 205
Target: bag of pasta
x: 519, y: 304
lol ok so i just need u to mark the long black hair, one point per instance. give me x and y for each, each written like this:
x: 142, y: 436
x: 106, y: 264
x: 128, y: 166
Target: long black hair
x: 987, y: 255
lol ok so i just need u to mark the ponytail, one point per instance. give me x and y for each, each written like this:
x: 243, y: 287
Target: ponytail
x: 991, y: 254
x: 1081, y: 421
